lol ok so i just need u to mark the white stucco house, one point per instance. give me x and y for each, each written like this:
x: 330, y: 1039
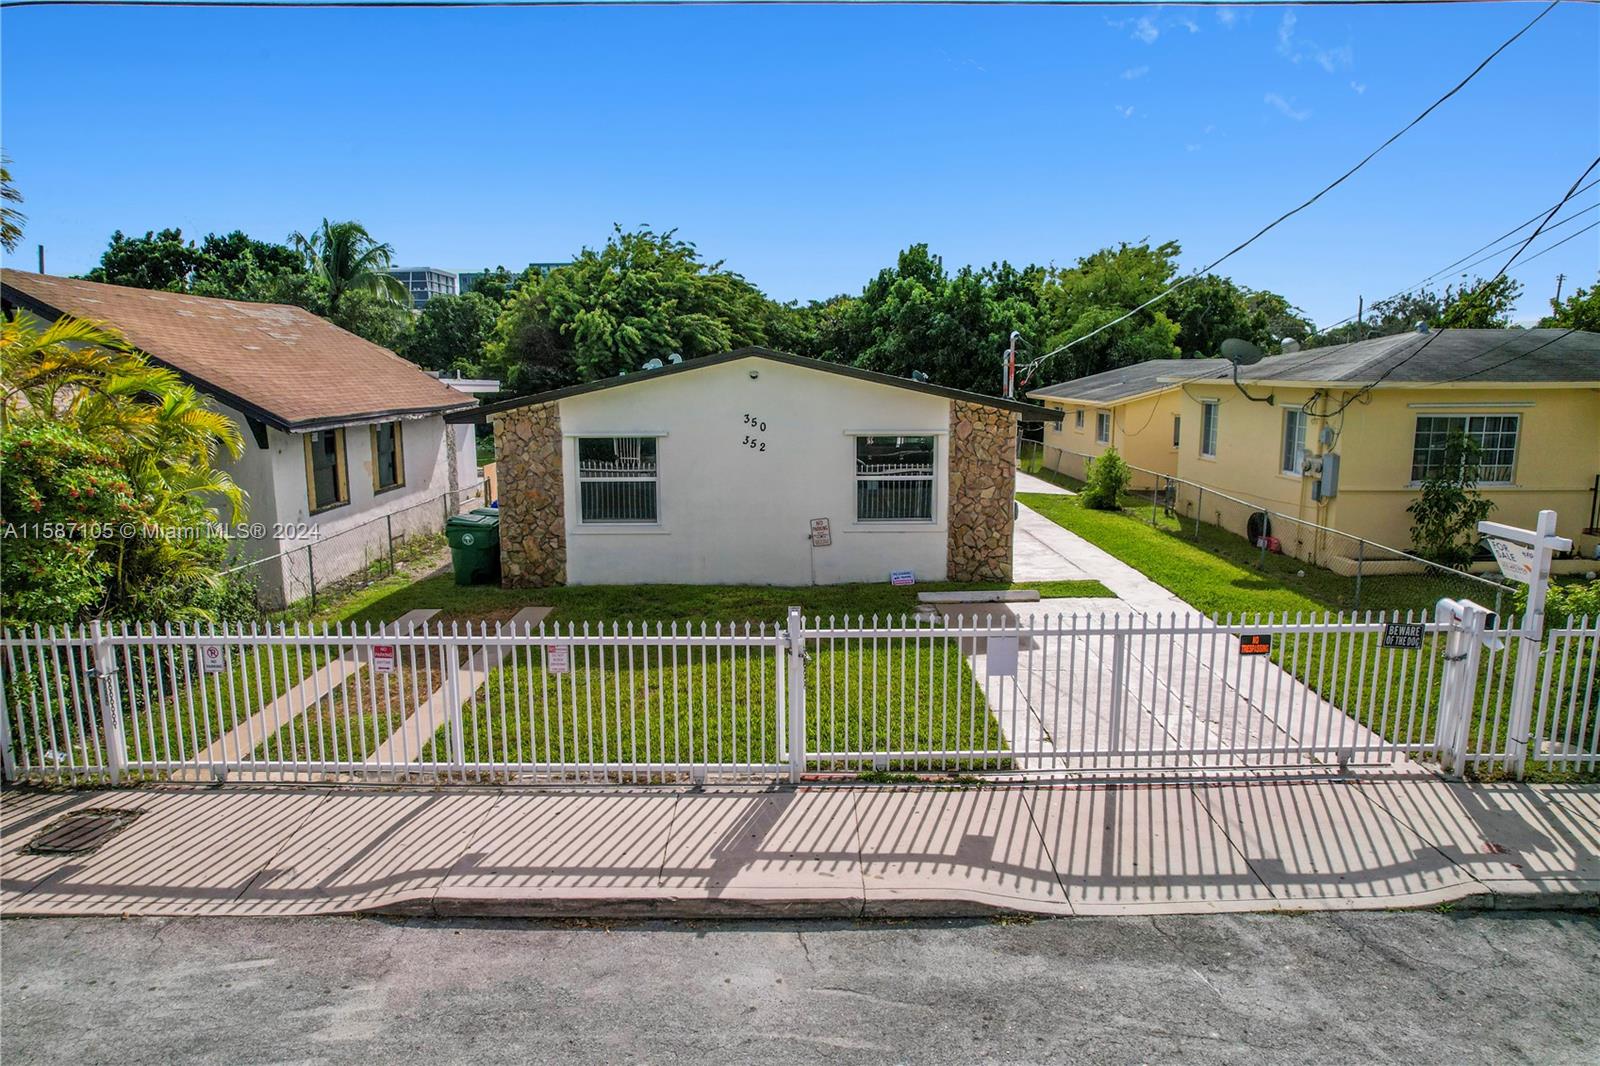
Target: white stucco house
x: 755, y: 467
x: 346, y: 443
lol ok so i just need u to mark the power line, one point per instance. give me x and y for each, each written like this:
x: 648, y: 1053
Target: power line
x: 1564, y: 240
x: 1540, y: 229
x: 1319, y: 195
x: 1496, y: 250
x: 1504, y: 362
x: 424, y: 4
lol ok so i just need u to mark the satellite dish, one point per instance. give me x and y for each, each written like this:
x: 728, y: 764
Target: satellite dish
x: 1241, y: 352
x: 654, y: 364
x: 674, y: 358
x: 917, y: 375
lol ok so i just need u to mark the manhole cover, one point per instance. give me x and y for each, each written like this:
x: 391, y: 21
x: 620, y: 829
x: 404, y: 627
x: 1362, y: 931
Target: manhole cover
x: 81, y: 832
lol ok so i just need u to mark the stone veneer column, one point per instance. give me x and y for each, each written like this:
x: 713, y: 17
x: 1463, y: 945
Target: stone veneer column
x: 533, y: 525
x: 983, y: 452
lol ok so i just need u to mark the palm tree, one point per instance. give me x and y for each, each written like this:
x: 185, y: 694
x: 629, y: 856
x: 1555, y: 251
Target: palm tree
x: 11, y: 219
x: 345, y: 256
x: 89, y: 377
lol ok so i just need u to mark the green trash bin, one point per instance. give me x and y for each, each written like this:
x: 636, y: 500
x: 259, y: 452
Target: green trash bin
x: 474, y: 548
x: 492, y: 512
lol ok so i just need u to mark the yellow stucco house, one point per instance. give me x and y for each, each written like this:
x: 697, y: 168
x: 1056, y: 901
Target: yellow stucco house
x: 1137, y: 409
x: 1341, y: 437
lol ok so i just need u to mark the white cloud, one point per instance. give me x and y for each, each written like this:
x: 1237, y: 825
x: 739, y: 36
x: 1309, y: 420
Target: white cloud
x: 1188, y: 23
x: 1191, y: 148
x: 1359, y: 87
x: 1145, y: 30
x: 1126, y: 111
x: 1286, y: 35
x: 1227, y: 16
x: 1134, y: 72
x: 1297, y: 51
x: 1287, y: 108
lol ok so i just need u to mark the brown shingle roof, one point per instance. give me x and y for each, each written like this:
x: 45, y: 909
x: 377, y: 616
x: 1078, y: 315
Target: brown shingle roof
x: 281, y: 364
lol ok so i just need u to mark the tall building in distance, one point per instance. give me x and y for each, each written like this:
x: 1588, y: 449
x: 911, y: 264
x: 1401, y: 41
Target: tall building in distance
x: 466, y: 278
x: 425, y: 283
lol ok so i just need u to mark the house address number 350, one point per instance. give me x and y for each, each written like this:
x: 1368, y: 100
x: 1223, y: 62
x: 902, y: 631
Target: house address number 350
x: 754, y: 443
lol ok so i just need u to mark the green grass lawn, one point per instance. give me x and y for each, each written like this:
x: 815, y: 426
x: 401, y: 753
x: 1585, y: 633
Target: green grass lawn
x: 711, y: 705
x: 663, y: 603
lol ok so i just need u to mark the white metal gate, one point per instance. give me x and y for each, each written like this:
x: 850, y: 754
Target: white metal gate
x: 675, y: 703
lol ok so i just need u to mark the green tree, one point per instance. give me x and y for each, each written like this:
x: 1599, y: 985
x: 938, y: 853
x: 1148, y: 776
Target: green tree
x: 348, y: 260
x: 499, y: 283
x: 643, y: 296
x: 1212, y: 308
x: 11, y: 219
x: 158, y: 260
x: 451, y: 332
x: 1580, y: 311
x: 1095, y: 291
x: 916, y: 317
x: 1448, y: 507
x: 1481, y: 305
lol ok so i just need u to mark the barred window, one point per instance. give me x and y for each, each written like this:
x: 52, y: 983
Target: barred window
x: 1495, y: 435
x: 617, y: 479
x: 894, y: 479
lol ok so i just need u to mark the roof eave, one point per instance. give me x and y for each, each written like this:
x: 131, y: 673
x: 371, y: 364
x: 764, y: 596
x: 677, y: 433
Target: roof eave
x: 1029, y: 411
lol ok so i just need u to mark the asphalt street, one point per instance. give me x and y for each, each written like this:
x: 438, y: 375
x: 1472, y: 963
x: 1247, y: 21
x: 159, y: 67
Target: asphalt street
x: 1337, y: 987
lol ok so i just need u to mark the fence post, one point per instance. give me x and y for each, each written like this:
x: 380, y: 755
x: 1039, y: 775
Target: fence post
x: 797, y: 694
x: 311, y: 574
x: 1361, y: 558
x: 1199, y: 505
x: 388, y: 530
x: 452, y: 692
x: 1462, y: 647
x: 105, y: 675
x: 1266, y: 527
x: 1530, y: 638
x: 1119, y: 684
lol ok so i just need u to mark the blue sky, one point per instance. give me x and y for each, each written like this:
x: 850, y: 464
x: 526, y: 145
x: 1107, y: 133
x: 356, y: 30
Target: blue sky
x: 806, y: 146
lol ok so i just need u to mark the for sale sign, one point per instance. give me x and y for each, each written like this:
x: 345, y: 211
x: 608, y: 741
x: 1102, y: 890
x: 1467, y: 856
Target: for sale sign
x: 383, y: 658
x: 1516, y: 560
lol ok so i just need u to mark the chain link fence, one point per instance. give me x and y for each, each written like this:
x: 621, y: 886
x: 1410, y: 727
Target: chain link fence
x: 357, y: 555
x: 1344, y: 571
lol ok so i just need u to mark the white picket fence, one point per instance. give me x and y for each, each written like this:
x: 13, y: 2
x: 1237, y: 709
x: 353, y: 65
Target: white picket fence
x: 677, y: 703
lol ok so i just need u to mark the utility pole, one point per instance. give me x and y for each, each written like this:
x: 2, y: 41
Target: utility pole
x: 41, y: 259
x: 1361, y: 318
x: 1559, y: 279
x: 1011, y: 366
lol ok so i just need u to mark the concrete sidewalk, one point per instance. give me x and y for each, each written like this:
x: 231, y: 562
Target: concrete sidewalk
x: 828, y: 851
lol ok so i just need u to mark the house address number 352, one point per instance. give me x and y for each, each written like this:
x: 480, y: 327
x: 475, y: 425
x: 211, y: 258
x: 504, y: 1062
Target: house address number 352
x: 751, y: 441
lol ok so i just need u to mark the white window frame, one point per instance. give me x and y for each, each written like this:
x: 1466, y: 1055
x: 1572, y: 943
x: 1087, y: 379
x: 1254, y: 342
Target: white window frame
x: 1210, y: 424
x: 1296, y: 460
x: 654, y: 479
x: 1102, y: 427
x: 1466, y: 418
x: 1077, y: 420
x: 1177, y: 431
x: 932, y: 478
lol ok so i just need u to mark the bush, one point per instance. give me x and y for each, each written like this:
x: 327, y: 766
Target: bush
x: 1572, y: 599
x: 1448, y: 507
x: 1108, y: 476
